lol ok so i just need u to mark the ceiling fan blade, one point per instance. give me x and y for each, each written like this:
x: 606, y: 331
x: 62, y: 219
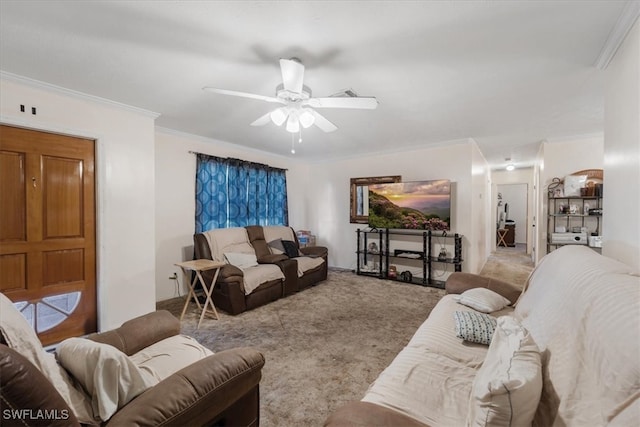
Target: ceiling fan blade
x: 365, y: 103
x: 292, y: 75
x: 262, y: 120
x: 322, y: 122
x: 243, y: 94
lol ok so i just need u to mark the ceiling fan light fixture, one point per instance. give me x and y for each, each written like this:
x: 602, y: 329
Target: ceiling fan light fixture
x: 278, y: 116
x: 510, y: 167
x: 307, y: 119
x: 293, y: 123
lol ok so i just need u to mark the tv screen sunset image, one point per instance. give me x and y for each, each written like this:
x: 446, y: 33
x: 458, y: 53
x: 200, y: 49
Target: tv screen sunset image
x: 420, y: 205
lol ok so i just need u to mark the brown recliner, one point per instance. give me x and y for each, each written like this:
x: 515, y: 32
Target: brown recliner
x: 220, y: 390
x: 228, y: 292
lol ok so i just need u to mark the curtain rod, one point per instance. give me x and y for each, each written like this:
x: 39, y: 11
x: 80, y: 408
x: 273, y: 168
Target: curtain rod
x: 232, y: 158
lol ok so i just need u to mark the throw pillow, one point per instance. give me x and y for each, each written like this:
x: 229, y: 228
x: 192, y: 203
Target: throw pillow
x: 241, y: 260
x: 482, y: 299
x: 107, y: 374
x: 507, y: 387
x: 276, y: 247
x: 573, y: 184
x: 291, y: 249
x: 474, y: 327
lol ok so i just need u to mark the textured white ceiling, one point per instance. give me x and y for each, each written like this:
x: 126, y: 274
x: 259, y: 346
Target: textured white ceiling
x: 508, y: 74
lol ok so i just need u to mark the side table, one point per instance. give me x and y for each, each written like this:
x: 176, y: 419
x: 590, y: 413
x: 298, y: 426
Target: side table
x: 200, y: 265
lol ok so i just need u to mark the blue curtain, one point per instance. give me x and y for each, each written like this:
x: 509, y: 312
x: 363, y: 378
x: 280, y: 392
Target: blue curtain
x: 277, y: 211
x: 236, y: 193
x: 211, y: 193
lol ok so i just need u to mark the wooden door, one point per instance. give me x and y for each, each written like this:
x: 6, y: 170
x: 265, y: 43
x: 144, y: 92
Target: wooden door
x: 47, y: 230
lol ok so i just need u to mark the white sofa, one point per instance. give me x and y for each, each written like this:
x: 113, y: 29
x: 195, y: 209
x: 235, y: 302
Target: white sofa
x: 579, y: 326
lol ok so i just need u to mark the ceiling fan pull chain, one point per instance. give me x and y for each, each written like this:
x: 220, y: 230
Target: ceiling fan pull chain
x: 293, y: 149
x: 300, y: 136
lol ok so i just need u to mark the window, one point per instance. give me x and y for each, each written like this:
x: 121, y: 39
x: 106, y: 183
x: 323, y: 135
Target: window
x: 236, y: 193
x: 49, y: 311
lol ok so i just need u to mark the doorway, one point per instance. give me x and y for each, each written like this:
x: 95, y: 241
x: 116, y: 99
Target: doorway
x: 47, y: 230
x: 511, y: 215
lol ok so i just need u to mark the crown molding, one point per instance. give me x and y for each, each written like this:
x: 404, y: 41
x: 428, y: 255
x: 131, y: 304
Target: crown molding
x: 37, y: 84
x: 619, y: 31
x: 220, y: 142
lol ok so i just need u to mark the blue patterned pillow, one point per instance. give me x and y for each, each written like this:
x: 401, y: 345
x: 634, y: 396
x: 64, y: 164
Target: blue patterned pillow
x: 474, y: 327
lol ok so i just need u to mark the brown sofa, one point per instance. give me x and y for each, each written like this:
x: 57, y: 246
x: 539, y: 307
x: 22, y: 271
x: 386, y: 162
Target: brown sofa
x: 229, y: 293
x: 221, y: 389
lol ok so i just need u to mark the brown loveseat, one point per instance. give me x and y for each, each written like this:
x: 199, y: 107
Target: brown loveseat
x: 232, y: 293
x: 221, y: 389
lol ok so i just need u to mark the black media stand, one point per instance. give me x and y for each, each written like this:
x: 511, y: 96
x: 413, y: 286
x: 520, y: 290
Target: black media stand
x: 383, y: 253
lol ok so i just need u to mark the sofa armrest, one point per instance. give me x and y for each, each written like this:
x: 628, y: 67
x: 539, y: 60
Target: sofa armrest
x: 459, y: 282
x: 141, y: 332
x: 197, y: 394
x: 366, y: 414
x: 24, y: 388
x: 228, y: 272
x: 318, y: 251
x: 272, y: 258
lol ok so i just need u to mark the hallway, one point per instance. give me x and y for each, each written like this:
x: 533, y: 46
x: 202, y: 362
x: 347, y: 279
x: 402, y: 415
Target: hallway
x: 511, y: 265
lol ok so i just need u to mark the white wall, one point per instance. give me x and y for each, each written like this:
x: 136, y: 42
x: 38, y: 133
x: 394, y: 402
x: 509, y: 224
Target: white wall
x: 561, y: 158
x: 329, y: 207
x: 480, y: 213
x: 621, y: 202
x: 125, y: 180
x: 175, y: 198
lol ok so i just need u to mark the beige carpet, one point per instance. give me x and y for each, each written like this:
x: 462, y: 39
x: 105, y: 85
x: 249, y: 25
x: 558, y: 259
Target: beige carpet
x: 325, y: 345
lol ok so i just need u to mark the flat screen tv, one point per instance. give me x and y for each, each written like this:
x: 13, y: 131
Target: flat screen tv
x: 418, y: 205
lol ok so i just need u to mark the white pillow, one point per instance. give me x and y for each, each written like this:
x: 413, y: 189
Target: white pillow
x: 107, y: 374
x: 474, y: 327
x: 573, y: 184
x: 507, y: 387
x: 241, y: 260
x: 482, y: 299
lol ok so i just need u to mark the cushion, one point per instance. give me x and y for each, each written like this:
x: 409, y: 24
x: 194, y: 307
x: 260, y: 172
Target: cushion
x: 241, y: 260
x: 507, y: 387
x: 255, y: 276
x: 474, y: 327
x: 573, y: 184
x: 168, y: 356
x: 106, y: 373
x: 21, y: 337
x: 291, y: 249
x: 482, y: 299
x: 276, y: 246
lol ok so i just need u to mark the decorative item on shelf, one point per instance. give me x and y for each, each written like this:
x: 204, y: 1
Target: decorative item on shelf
x: 406, y: 276
x: 598, y: 190
x: 595, y: 241
x: 373, y: 248
x: 442, y: 256
x: 393, y: 272
x: 555, y: 188
x: 589, y: 190
x: 404, y: 253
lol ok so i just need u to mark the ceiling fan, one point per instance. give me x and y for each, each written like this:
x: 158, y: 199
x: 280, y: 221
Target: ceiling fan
x: 298, y: 106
